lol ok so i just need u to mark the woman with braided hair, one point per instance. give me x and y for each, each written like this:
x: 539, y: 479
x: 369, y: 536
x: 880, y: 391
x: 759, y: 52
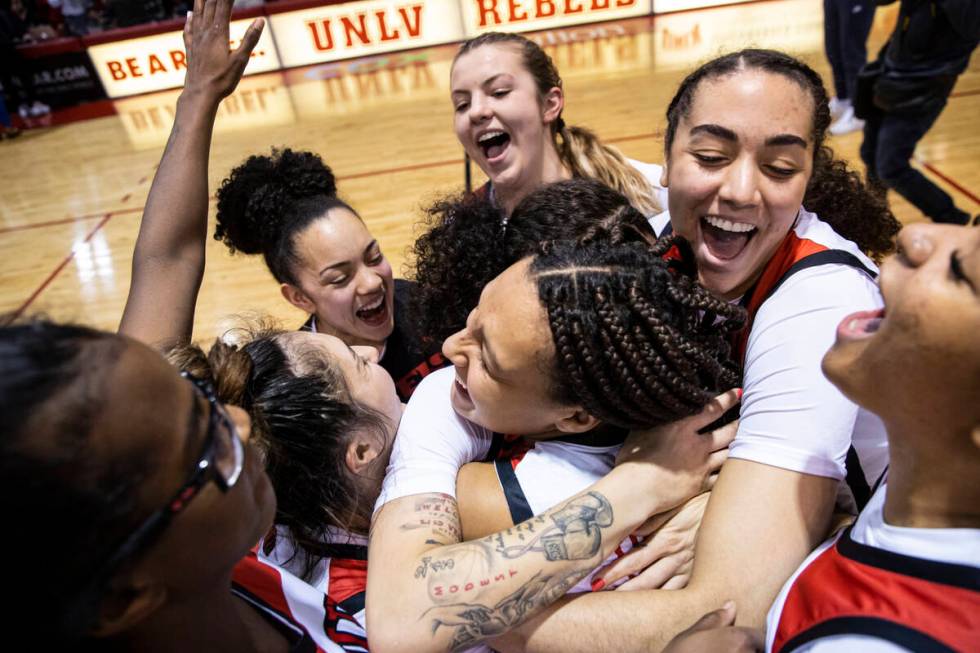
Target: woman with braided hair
x: 569, y: 347
x: 780, y: 226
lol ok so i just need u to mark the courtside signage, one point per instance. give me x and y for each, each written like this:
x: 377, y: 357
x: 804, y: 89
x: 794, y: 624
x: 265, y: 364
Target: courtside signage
x: 370, y: 27
x: 526, y: 15
x: 155, y: 63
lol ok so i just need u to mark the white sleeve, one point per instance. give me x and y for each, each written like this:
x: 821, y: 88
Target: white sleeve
x: 433, y: 442
x: 850, y: 644
x: 793, y: 417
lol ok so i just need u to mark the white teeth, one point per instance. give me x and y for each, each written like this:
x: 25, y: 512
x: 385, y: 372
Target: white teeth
x: 460, y: 382
x: 727, y: 225
x: 371, y: 307
x: 490, y: 135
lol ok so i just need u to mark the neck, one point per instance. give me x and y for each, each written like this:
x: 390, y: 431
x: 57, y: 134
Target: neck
x: 210, y: 621
x: 549, y: 170
x: 929, y: 486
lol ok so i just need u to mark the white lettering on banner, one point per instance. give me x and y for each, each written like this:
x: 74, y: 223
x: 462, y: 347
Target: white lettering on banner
x: 154, y: 63
x: 524, y: 15
x: 365, y: 28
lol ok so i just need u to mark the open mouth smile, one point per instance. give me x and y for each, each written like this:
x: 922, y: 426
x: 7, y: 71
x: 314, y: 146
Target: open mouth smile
x: 376, y: 312
x: 493, y: 144
x: 724, y: 238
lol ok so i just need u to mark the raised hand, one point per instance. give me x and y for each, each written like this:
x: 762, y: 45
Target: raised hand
x: 212, y: 67
x: 682, y: 458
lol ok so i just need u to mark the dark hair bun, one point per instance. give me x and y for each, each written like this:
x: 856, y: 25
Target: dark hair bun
x: 254, y: 201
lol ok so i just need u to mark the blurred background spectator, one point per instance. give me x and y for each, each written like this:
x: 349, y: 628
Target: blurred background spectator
x: 846, y: 25
x: 18, y: 84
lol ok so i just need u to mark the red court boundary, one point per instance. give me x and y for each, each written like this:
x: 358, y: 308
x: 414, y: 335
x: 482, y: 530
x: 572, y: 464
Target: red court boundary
x: 949, y: 180
x: 51, y: 277
x: 359, y: 175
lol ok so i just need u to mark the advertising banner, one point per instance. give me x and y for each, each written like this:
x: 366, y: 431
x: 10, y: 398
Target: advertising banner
x: 62, y: 78
x: 528, y: 15
x: 155, y: 63
x: 366, y: 28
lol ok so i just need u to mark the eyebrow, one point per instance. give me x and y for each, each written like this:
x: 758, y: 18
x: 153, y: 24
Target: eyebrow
x: 487, y: 82
x: 727, y: 134
x: 785, y: 139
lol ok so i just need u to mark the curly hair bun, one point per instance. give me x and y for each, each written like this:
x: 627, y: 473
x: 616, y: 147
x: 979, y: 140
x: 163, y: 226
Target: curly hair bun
x: 254, y: 201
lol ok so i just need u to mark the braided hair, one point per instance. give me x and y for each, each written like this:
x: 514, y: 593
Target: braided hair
x: 637, y: 341
x: 835, y: 193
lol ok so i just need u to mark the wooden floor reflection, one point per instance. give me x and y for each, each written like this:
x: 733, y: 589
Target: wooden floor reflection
x: 72, y: 195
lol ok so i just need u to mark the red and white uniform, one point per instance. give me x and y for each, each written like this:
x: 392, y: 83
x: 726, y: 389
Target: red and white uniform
x: 329, y: 608
x: 792, y: 417
x: 877, y: 588
x: 434, y: 442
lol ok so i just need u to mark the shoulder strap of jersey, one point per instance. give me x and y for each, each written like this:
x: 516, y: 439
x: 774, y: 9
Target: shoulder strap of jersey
x: 824, y: 257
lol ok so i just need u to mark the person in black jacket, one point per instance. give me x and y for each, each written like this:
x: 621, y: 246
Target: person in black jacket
x: 930, y: 47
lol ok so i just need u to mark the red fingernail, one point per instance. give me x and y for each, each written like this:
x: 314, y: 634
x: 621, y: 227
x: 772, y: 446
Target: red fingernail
x: 739, y: 391
x: 597, y: 585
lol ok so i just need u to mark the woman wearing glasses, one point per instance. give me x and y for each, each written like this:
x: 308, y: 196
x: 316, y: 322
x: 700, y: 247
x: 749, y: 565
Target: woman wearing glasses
x: 324, y: 413
x: 131, y: 495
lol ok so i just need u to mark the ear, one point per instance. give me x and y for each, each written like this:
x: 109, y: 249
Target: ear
x: 664, y: 175
x: 360, y: 453
x: 126, y: 605
x: 297, y: 298
x: 553, y: 103
x: 578, y: 421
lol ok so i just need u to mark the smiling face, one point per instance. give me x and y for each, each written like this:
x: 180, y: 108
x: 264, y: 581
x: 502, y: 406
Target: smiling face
x: 918, y: 361
x: 501, y: 358
x: 369, y: 385
x: 501, y: 118
x: 737, y: 172
x: 344, y: 280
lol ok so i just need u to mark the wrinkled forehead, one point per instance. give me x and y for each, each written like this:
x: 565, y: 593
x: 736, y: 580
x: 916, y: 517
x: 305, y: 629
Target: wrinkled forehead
x: 483, y: 62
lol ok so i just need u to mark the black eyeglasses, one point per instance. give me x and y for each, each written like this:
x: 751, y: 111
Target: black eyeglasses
x: 221, y: 460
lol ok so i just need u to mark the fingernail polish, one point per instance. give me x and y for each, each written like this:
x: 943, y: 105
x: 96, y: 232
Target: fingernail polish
x: 738, y: 391
x: 597, y: 585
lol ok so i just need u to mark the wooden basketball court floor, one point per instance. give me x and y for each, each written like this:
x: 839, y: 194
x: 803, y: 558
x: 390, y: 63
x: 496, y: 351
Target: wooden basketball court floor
x: 72, y: 195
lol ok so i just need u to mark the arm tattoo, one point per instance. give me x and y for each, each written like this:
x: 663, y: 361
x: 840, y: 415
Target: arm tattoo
x: 473, y: 622
x: 575, y: 535
x: 572, y: 532
x: 438, y: 514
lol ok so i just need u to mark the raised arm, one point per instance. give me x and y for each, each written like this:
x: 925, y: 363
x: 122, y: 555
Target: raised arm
x: 168, y: 263
x: 428, y: 591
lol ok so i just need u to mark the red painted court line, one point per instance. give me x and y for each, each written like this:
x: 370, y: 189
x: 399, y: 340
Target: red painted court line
x: 949, y: 180
x: 80, y: 218
x: 388, y: 171
x: 975, y: 91
x: 51, y: 277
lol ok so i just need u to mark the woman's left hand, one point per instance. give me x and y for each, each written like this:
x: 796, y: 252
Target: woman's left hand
x: 665, y: 558
x: 211, y: 66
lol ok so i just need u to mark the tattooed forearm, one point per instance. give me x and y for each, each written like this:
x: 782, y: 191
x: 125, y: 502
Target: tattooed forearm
x: 472, y: 622
x: 436, y: 566
x: 576, y: 533
x: 438, y: 514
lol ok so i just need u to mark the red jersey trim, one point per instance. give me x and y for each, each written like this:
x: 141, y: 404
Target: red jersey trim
x: 855, y: 588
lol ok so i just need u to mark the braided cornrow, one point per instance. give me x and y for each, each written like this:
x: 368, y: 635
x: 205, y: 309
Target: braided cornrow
x: 637, y: 341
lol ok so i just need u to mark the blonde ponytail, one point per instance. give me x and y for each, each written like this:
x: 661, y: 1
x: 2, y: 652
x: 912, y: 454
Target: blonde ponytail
x: 587, y: 157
